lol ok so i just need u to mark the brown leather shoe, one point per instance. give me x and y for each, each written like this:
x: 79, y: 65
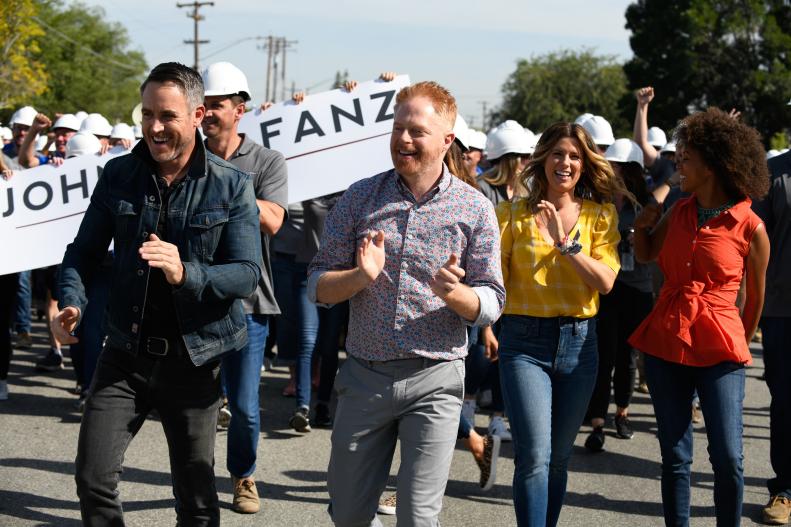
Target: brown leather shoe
x: 777, y: 511
x: 245, y: 496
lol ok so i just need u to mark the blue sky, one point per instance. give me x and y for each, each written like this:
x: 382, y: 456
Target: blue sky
x: 468, y: 46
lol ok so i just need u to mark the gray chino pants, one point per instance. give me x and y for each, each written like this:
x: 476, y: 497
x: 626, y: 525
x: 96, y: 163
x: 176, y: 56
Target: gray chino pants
x: 416, y: 401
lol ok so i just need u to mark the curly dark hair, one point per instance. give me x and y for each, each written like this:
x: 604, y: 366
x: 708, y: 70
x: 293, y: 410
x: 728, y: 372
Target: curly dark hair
x: 730, y: 148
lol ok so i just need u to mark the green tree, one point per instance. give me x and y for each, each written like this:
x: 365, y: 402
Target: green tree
x: 89, y: 65
x: 22, y: 75
x: 701, y: 53
x: 561, y: 85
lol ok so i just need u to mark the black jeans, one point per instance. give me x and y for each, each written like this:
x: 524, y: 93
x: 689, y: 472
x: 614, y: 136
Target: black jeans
x: 777, y: 365
x: 8, y: 289
x: 126, y: 388
x: 621, y: 311
x: 331, y: 322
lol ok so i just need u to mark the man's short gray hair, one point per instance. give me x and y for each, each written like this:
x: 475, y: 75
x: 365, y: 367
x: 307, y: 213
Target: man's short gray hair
x: 186, y: 78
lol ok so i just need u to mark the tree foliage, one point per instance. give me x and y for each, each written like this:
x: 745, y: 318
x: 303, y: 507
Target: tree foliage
x: 559, y: 86
x: 22, y: 75
x: 701, y: 53
x: 89, y: 65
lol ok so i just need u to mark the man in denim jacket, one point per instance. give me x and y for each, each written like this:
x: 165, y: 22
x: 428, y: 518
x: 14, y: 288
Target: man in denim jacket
x: 187, y: 249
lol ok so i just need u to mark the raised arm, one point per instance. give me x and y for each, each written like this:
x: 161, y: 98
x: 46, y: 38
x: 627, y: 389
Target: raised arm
x: 644, y: 97
x: 27, y: 151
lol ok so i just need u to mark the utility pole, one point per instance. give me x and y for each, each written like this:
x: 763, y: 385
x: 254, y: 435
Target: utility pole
x: 196, y: 17
x: 276, y: 48
x: 483, y: 116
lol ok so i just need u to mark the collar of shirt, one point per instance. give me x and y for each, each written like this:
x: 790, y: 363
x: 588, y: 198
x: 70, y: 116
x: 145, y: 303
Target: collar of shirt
x: 441, y: 186
x: 198, y: 164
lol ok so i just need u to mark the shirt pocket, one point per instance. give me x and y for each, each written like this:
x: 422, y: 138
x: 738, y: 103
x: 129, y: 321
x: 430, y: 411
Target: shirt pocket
x: 206, y: 227
x: 127, y: 221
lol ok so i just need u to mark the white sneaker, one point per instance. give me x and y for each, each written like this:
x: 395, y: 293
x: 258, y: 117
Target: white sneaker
x: 3, y: 390
x: 468, y: 410
x: 498, y: 428
x: 224, y: 418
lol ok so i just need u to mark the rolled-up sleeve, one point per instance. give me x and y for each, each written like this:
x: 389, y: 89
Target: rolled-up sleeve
x: 483, y: 270
x: 338, y: 243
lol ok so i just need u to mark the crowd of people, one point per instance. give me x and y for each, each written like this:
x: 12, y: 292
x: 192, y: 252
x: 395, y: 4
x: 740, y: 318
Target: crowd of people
x: 533, y: 276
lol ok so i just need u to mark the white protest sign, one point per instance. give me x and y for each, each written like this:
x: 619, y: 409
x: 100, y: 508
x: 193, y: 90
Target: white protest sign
x: 41, y: 209
x: 332, y: 139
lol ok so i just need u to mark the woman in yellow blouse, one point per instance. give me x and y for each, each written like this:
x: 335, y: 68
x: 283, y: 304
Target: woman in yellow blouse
x: 559, y: 252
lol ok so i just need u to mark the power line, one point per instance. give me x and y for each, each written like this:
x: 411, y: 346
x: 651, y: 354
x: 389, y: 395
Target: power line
x: 196, y: 17
x: 87, y: 48
x: 232, y: 44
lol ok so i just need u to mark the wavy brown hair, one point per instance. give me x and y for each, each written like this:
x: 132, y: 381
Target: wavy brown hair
x: 597, y: 182
x: 506, y: 168
x: 456, y: 166
x: 730, y: 148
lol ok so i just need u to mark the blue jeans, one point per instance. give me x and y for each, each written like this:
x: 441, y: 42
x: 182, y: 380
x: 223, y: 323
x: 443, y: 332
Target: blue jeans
x: 24, y: 301
x: 548, y: 370
x: 85, y: 353
x: 298, y: 323
x: 721, y: 392
x: 241, y: 376
x: 332, y: 320
x: 777, y: 365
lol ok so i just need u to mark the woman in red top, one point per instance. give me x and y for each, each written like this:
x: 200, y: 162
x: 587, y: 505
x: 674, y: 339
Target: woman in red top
x: 696, y: 338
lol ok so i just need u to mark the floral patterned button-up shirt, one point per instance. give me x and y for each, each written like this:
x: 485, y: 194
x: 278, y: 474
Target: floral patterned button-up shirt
x: 398, y: 316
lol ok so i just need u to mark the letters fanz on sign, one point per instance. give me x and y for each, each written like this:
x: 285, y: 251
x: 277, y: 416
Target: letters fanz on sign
x: 309, y: 125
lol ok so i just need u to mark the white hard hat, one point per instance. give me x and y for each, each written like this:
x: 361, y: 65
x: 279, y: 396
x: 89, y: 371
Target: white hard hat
x: 223, y: 78
x: 477, y: 139
x: 138, y: 130
x: 624, y: 151
x: 81, y: 115
x: 600, y: 130
x: 462, y: 131
x: 668, y: 147
x: 5, y: 133
x: 772, y: 153
x: 25, y: 116
x: 68, y: 121
x: 582, y: 118
x: 83, y: 143
x: 122, y: 131
x: 656, y: 137
x: 96, y: 124
x: 507, y: 138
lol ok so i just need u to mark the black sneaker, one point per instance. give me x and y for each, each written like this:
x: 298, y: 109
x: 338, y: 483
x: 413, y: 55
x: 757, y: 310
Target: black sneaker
x: 595, y: 441
x: 53, y: 361
x: 300, y: 421
x: 322, y: 417
x: 622, y: 428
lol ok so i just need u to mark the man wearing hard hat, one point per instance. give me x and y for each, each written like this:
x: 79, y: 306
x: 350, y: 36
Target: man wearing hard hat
x: 64, y: 128
x: 20, y: 123
x: 226, y: 92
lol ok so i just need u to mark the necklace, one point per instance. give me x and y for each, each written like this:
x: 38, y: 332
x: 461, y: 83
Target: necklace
x: 705, y: 215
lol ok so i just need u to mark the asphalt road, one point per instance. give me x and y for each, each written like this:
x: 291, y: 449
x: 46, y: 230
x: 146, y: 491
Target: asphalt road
x: 38, y: 436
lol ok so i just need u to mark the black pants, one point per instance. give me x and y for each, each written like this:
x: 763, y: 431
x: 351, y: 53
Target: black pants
x: 621, y: 311
x: 126, y: 388
x: 8, y: 287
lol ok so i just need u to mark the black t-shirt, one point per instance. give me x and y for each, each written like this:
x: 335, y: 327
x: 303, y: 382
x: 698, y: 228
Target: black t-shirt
x: 159, y: 315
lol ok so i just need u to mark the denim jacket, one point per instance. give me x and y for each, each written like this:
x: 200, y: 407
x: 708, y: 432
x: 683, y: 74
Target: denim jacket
x: 212, y: 219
